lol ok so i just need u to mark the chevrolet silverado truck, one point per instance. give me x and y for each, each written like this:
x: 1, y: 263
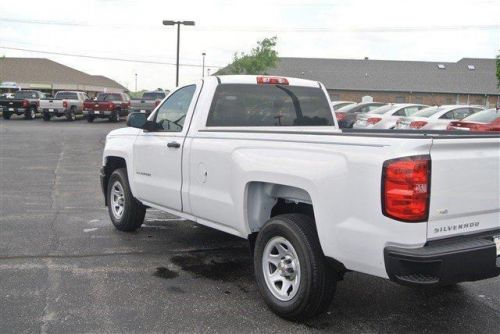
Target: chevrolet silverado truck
x: 148, y: 102
x: 263, y: 158
x: 25, y: 102
x: 107, y: 105
x: 64, y: 104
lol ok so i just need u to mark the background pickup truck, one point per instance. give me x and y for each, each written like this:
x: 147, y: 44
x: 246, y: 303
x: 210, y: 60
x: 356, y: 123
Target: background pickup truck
x: 107, y: 105
x: 64, y: 103
x: 25, y: 102
x: 263, y: 158
x: 148, y: 102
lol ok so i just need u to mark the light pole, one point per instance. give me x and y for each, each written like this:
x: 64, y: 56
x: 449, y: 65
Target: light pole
x: 136, y: 82
x: 203, y: 65
x: 171, y: 23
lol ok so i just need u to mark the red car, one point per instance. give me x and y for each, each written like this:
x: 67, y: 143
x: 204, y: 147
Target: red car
x: 486, y: 120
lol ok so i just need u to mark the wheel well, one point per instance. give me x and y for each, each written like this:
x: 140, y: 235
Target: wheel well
x: 266, y: 200
x: 112, y: 163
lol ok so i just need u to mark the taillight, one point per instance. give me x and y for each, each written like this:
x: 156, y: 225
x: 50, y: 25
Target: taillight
x: 65, y: 104
x: 272, y: 80
x: 373, y: 120
x: 417, y: 124
x: 157, y: 102
x: 406, y: 188
x: 340, y: 116
x: 111, y: 105
x: 26, y: 103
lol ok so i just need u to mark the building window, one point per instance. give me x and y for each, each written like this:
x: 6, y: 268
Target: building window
x: 334, y: 97
x: 400, y: 99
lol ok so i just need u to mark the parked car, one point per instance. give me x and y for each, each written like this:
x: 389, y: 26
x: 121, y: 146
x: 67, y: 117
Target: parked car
x: 107, y: 105
x: 25, y: 102
x: 65, y: 103
x: 386, y: 116
x: 436, y: 118
x: 215, y: 153
x: 148, y: 102
x: 346, y: 116
x: 339, y: 104
x: 8, y: 95
x: 486, y: 120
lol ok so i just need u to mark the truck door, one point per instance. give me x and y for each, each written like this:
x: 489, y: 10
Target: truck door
x: 157, y: 155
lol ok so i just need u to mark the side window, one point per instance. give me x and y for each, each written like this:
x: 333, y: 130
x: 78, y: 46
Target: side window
x: 408, y: 111
x: 172, y: 113
x: 401, y: 112
x: 462, y: 113
x: 448, y: 115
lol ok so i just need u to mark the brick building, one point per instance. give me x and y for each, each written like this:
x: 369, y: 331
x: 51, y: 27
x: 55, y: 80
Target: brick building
x: 468, y: 81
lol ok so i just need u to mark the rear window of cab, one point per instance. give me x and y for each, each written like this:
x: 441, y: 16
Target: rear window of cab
x: 269, y: 105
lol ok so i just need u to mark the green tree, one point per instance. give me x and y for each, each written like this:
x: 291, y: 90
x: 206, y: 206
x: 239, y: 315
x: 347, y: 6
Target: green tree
x: 498, y: 70
x: 260, y: 59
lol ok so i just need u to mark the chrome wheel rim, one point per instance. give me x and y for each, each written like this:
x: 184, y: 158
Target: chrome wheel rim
x: 281, y: 268
x: 117, y: 200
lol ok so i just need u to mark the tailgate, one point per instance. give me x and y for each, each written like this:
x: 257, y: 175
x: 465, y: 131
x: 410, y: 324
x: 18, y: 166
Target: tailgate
x: 465, y: 186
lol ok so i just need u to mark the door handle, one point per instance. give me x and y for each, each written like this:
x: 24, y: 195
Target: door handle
x: 174, y: 144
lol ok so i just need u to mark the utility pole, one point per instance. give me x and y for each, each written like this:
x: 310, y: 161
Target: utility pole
x: 136, y: 82
x: 178, y: 23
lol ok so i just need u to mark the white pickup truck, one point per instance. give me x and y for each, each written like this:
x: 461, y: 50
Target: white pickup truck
x: 263, y: 158
x: 65, y: 103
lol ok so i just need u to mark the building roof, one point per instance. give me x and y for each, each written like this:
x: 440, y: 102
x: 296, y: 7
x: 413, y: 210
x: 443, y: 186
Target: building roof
x: 467, y: 76
x: 43, y: 71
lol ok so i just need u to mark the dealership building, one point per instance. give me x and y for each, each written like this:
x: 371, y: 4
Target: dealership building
x: 468, y: 81
x: 49, y: 76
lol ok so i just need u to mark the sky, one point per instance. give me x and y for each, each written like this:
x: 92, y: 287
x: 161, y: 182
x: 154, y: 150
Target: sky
x: 437, y: 30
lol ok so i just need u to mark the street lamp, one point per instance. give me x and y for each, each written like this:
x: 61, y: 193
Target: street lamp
x: 203, y: 65
x: 171, y: 23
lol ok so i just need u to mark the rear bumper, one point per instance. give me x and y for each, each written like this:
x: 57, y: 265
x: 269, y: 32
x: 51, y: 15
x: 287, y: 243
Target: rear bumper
x: 443, y: 262
x: 17, y: 111
x: 94, y: 113
x: 55, y: 111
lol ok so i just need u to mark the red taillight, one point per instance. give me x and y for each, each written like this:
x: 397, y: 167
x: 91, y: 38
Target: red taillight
x: 406, y: 188
x: 340, y: 116
x: 417, y: 124
x: 26, y: 103
x: 373, y: 120
x: 65, y: 104
x: 272, y: 80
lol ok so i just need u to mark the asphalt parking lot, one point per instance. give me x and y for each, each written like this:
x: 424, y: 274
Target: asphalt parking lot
x: 65, y: 269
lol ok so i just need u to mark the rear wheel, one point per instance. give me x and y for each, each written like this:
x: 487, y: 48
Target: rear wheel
x: 126, y: 213
x: 115, y: 117
x: 6, y: 115
x: 290, y: 268
x: 71, y: 115
x: 30, y: 113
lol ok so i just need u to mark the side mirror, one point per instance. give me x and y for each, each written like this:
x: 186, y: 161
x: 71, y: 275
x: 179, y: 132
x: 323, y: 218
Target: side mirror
x: 136, y: 120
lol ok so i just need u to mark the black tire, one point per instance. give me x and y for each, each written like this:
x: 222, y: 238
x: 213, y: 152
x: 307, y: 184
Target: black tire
x: 6, y: 115
x: 115, y: 117
x: 318, y: 280
x: 46, y: 116
x: 71, y: 115
x: 30, y: 113
x: 90, y: 119
x: 133, y: 211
